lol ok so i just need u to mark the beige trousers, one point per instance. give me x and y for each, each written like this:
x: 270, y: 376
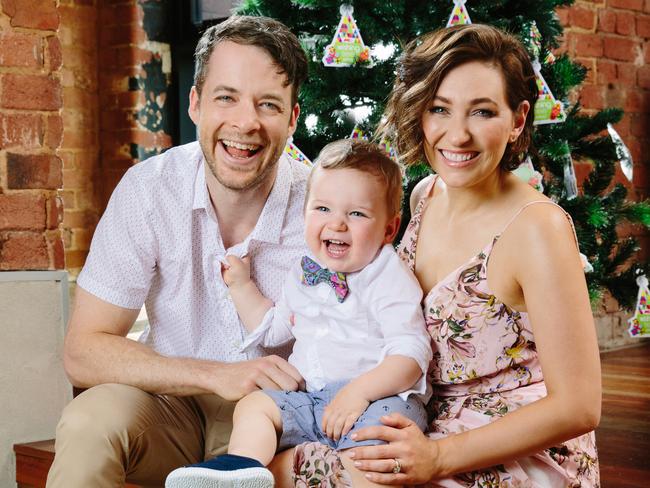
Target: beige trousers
x: 112, y: 433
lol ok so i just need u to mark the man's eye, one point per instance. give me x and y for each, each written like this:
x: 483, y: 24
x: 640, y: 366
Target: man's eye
x: 270, y: 106
x: 223, y: 98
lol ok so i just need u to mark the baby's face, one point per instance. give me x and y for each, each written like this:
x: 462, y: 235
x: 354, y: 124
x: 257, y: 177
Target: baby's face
x: 346, y: 218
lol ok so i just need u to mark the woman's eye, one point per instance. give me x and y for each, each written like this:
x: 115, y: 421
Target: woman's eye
x: 437, y: 110
x: 484, y: 112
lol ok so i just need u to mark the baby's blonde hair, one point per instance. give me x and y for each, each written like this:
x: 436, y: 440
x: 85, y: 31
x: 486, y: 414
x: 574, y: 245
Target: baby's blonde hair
x: 366, y: 157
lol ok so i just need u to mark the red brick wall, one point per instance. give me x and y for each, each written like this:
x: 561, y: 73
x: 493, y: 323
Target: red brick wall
x: 610, y: 38
x: 104, y: 49
x: 30, y: 133
x: 82, y: 180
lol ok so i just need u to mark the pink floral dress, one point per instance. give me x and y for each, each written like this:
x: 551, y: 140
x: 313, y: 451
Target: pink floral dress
x: 484, y: 365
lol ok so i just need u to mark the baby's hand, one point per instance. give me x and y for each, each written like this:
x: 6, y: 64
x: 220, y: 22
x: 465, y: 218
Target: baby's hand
x: 341, y: 414
x: 237, y: 272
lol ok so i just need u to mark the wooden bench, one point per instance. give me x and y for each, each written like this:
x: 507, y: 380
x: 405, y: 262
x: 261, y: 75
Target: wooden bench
x: 33, y: 461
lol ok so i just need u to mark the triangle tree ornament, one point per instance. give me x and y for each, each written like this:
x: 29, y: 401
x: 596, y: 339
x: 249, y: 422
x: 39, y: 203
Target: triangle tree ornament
x: 459, y: 14
x: 548, y: 110
x: 296, y: 154
x: 640, y: 321
x: 347, y: 47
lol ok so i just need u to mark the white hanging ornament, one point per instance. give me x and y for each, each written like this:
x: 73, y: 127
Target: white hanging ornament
x: 347, y: 47
x: 296, y: 154
x: 570, y: 181
x: 640, y: 321
x: 459, y: 14
x: 623, y: 153
x: 527, y: 172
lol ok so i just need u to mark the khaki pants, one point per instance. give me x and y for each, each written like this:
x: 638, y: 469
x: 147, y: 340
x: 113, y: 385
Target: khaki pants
x: 112, y: 433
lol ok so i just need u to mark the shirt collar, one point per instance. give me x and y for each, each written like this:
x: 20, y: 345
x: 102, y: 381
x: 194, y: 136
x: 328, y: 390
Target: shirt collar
x: 267, y: 228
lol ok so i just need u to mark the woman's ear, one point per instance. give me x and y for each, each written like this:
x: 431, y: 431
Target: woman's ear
x: 519, y: 120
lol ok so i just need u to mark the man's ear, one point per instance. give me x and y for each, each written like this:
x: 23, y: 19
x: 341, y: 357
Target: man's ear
x: 392, y: 226
x: 193, y: 110
x: 293, y: 121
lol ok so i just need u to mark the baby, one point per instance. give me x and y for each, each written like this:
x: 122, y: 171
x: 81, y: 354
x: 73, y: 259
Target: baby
x: 354, y: 310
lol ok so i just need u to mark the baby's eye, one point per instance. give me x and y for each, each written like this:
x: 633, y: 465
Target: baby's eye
x: 356, y: 213
x: 322, y: 209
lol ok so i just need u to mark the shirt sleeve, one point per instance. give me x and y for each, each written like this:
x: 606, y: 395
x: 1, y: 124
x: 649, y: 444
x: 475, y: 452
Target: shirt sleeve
x: 275, y: 328
x: 122, y: 258
x: 396, y: 299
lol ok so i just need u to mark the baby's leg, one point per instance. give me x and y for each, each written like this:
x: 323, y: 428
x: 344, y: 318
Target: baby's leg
x: 256, y: 424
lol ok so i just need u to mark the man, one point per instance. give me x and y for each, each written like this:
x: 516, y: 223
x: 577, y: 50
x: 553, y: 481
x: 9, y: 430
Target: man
x: 167, y: 400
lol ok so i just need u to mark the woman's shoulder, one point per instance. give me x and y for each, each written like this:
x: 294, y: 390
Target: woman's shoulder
x: 420, y: 191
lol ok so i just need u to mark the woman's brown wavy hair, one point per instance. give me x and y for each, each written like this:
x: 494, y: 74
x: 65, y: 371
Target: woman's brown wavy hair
x: 427, y: 60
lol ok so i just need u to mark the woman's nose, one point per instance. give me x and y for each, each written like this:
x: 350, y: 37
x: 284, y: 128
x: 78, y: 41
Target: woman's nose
x: 458, y: 131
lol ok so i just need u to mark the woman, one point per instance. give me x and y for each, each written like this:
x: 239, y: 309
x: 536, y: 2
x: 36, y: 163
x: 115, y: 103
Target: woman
x: 516, y: 372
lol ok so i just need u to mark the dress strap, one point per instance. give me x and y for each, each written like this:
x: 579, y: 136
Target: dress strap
x: 512, y: 219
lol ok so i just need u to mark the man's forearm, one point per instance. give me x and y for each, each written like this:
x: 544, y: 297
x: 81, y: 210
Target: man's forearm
x: 105, y: 358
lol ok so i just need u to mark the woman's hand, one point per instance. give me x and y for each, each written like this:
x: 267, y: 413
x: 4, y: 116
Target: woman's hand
x: 343, y: 411
x: 416, y: 454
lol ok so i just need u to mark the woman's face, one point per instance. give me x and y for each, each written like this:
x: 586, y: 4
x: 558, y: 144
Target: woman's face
x: 468, y: 124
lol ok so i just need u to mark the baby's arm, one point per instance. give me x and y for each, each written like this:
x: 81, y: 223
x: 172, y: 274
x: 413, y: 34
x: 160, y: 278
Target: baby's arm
x: 251, y: 305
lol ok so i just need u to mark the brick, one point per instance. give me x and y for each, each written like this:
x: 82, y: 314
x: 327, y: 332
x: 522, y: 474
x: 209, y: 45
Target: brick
x: 584, y: 18
x: 133, y: 56
x: 81, y: 238
x: 120, y: 14
x: 33, y: 14
x: 637, y: 101
x: 56, y: 250
x: 54, y: 53
x: 20, y: 50
x: 22, y: 251
x: 606, y: 72
x: 643, y: 77
x: 615, y: 96
x: 563, y: 16
x: 79, y: 139
x: 54, y: 131
x: 626, y: 4
x: 30, y: 92
x: 22, y: 211
x: 625, y: 23
x: 21, y: 130
x: 639, y: 125
x: 78, y: 218
x: 643, y: 26
x: 54, y: 206
x: 33, y: 171
x: 606, y: 21
x: 75, y: 259
x: 646, y: 6
x: 131, y: 34
x: 588, y: 44
x: 626, y: 73
x: 592, y: 97
x: 619, y: 48
x: 590, y: 64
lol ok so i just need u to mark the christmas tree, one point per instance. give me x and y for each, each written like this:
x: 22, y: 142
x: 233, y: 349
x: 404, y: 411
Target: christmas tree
x: 335, y: 100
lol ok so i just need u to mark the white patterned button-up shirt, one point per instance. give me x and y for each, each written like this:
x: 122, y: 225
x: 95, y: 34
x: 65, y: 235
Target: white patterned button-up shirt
x: 158, y: 243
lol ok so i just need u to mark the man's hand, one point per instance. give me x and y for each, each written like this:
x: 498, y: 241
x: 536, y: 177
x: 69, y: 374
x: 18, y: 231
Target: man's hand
x: 237, y: 273
x: 341, y: 414
x: 235, y: 380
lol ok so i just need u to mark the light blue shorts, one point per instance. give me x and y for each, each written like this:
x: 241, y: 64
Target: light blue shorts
x: 302, y: 415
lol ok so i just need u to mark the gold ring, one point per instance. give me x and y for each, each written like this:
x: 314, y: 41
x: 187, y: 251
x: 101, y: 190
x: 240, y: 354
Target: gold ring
x: 398, y: 467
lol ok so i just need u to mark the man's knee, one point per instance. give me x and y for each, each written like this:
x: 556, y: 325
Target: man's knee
x: 103, y: 411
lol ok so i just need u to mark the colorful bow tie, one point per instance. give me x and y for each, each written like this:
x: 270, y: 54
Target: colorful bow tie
x: 313, y: 274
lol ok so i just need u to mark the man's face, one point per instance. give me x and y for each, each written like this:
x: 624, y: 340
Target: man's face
x: 244, y: 115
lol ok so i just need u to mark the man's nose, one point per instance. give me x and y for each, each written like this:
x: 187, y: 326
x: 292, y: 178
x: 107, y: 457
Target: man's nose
x: 246, y: 117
